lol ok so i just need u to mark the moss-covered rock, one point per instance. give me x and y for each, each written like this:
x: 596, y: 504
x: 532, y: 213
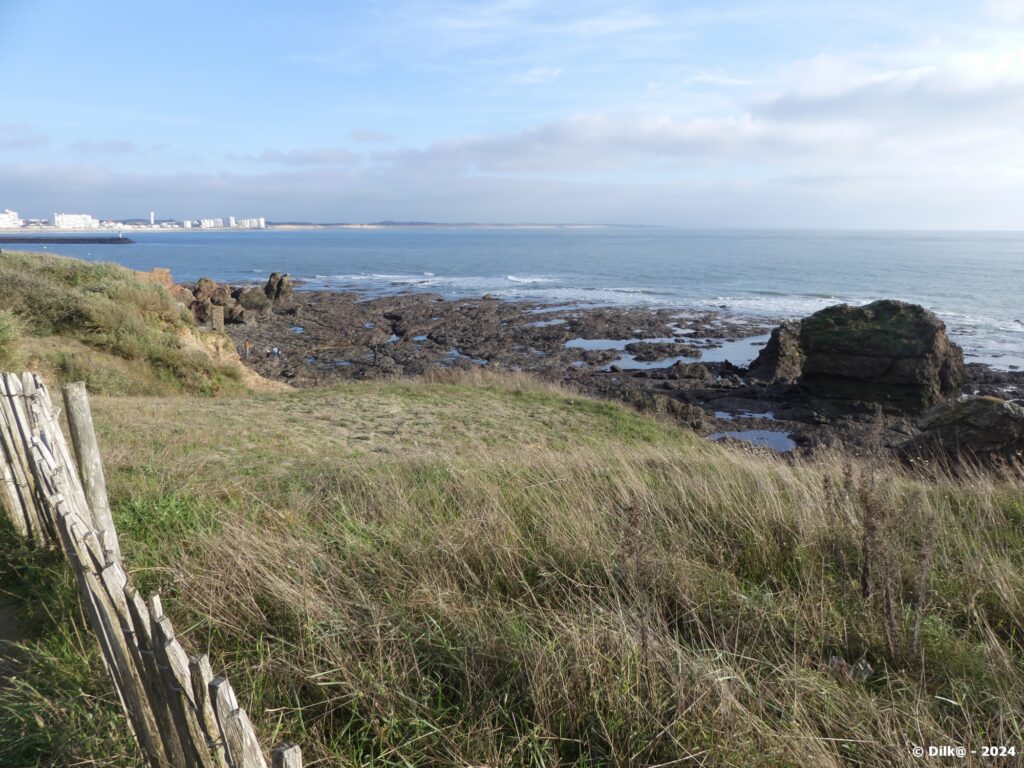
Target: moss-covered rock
x: 888, y: 352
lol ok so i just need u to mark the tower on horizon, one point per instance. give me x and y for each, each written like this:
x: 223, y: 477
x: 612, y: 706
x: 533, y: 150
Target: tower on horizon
x: 152, y: 218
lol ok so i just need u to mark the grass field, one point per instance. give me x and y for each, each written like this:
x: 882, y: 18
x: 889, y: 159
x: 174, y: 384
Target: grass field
x: 495, y: 572
x: 483, y: 570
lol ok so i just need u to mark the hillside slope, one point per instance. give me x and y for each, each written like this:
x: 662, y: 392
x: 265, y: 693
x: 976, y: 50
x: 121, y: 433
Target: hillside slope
x: 109, y: 326
x: 489, y: 571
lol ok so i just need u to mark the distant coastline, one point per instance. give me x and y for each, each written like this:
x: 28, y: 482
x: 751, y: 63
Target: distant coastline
x: 71, y: 239
x: 297, y: 226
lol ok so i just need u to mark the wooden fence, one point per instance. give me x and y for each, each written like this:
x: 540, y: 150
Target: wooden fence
x: 181, y: 715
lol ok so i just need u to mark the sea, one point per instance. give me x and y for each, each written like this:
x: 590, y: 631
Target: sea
x: 974, y: 281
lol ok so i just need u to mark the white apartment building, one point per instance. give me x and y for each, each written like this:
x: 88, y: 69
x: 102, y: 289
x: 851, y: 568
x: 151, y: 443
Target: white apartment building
x: 211, y: 223
x: 256, y: 223
x: 9, y: 219
x: 74, y: 221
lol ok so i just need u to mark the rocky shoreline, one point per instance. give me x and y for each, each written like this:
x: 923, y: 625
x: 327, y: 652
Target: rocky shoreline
x: 723, y: 377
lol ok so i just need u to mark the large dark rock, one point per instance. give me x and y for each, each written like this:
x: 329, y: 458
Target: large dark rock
x: 888, y: 352
x: 981, y: 428
x: 254, y: 299
x: 204, y: 288
x: 208, y: 293
x: 278, y: 287
x: 781, y: 360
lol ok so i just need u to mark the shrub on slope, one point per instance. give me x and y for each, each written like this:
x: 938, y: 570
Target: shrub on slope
x: 105, y: 324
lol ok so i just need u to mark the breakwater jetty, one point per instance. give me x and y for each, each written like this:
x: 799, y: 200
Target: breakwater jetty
x: 65, y: 240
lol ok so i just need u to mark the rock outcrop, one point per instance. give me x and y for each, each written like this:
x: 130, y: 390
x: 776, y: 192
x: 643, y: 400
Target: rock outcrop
x: 888, y: 352
x: 253, y: 299
x: 974, y: 428
x: 278, y: 287
x: 782, y: 359
x: 241, y: 305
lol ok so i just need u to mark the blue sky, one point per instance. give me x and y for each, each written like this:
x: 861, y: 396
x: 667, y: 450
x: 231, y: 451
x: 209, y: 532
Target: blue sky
x: 767, y: 113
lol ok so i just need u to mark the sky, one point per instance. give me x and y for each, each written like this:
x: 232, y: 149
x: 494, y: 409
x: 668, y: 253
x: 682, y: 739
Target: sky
x: 766, y: 113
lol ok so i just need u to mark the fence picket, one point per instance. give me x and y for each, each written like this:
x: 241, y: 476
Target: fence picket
x: 181, y: 715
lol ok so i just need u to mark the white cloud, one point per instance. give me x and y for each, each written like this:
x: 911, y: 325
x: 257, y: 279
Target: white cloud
x: 614, y: 24
x: 369, y: 136
x: 717, y: 78
x: 315, y: 156
x: 1006, y: 10
x: 537, y: 76
x: 103, y: 146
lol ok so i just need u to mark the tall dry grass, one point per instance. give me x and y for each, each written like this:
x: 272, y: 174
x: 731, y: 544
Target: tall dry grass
x: 489, y: 572
x: 613, y: 604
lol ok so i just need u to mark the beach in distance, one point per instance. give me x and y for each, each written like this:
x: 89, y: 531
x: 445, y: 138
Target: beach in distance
x: 971, y: 280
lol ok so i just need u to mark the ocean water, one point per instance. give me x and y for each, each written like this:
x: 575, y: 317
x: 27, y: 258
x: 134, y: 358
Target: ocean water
x: 974, y: 281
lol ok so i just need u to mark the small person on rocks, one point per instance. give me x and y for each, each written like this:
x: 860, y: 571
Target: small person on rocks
x: 247, y: 347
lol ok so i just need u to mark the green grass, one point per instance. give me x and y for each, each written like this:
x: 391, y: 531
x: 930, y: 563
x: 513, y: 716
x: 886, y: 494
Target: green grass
x: 489, y: 571
x: 101, y: 323
x: 9, y: 335
x: 59, y: 708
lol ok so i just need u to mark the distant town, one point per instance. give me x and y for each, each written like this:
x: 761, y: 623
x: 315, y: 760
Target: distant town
x: 83, y: 221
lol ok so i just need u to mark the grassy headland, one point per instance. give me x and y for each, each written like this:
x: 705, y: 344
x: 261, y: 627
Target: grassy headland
x: 486, y: 570
x: 103, y: 324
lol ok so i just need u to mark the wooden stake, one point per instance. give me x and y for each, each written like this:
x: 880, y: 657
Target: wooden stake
x: 287, y: 756
x: 90, y: 463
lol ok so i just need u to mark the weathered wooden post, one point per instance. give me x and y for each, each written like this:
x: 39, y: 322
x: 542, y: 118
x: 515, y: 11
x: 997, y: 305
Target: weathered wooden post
x: 287, y: 756
x: 90, y: 463
x: 217, y: 317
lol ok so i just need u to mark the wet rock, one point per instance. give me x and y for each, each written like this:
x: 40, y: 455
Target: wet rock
x: 973, y: 428
x: 648, y: 351
x: 781, y: 360
x: 599, y: 356
x: 279, y: 287
x: 888, y: 352
x: 681, y: 370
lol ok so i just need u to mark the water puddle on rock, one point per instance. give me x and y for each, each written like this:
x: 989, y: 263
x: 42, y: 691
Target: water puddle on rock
x: 454, y: 354
x: 739, y: 352
x: 728, y: 416
x: 777, y: 441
